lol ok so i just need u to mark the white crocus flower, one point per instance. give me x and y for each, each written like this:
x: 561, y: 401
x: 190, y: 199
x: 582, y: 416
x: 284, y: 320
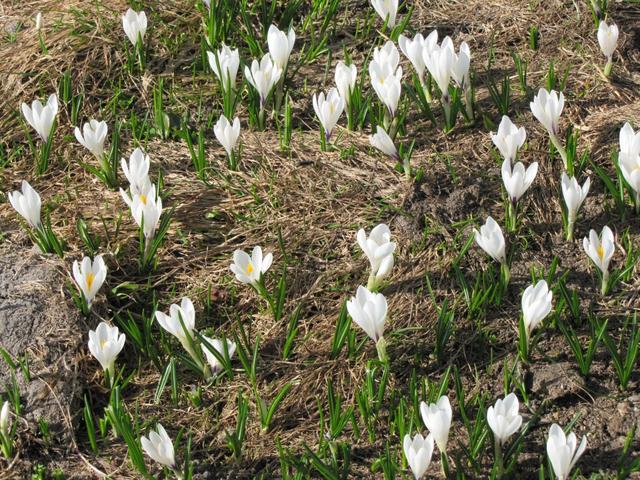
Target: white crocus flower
x: 263, y: 76
x: 173, y: 325
x: 217, y: 344
x: 508, y: 139
x: 379, y: 250
x: 225, y: 63
x: 135, y: 25
x: 574, y: 196
x: 345, y: 78
x: 387, y: 83
x: 629, y: 141
x: 503, y: 418
x: 491, y: 240
x: 159, y: 447
x: 249, y: 269
x: 387, y: 9
x: 369, y: 311
x: 227, y: 134
x: 547, y: 108
x: 89, y: 276
x: 564, y: 451
x: 92, y: 137
x: 418, y: 452
x: 280, y: 45
x: 41, y: 118
x: 600, y: 250
x: 328, y: 110
x: 536, y: 305
x: 382, y: 141
x: 439, y: 62
x: 38, y: 22
x: 387, y: 55
x: 146, y: 209
x: 137, y: 172
x: 629, y: 160
x: 28, y: 204
x: 437, y: 418
x: 517, y: 179
x: 105, y: 344
x: 460, y: 62
x: 608, y: 40
x: 413, y: 49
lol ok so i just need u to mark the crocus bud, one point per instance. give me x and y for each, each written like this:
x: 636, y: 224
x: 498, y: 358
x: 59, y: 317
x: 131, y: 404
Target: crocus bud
x: 172, y: 323
x: 387, y: 9
x: 249, y: 269
x: 328, y: 110
x: 159, y: 447
x: 227, y: 134
x: 517, y: 180
x: 263, y: 76
x: 437, y: 418
x: 216, y: 343
x: 369, y: 311
x: 418, y: 452
x: 137, y: 172
x: 600, y: 250
x: 491, y: 240
x: 5, y: 420
x: 92, y: 137
x: 413, y: 50
x: 135, y: 25
x: 105, y: 343
x: 280, y: 45
x: 27, y: 203
x: 503, y: 418
x: 225, y: 63
x: 41, y: 118
x: 547, y: 108
x: 574, y: 196
x: 607, y: 38
x: 509, y: 139
x: 536, y: 305
x: 89, y: 277
x: 382, y: 141
x: 38, y: 21
x: 563, y: 451
x: 379, y: 249
x: 146, y: 210
x: 345, y: 77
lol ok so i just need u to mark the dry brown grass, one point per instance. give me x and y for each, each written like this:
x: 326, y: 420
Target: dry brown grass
x: 317, y: 202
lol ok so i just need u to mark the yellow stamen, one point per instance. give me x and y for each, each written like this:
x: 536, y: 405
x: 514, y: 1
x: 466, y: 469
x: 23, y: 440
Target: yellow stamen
x: 143, y: 198
x: 249, y: 268
x: 90, y: 279
x: 600, y: 251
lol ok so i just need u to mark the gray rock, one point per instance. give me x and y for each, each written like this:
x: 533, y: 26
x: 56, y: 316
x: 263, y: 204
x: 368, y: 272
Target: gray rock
x: 38, y: 320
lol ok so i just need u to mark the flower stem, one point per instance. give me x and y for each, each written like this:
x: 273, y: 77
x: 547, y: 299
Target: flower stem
x: 498, y: 461
x: 381, y: 347
x: 505, y: 274
x: 605, y: 283
x: 560, y: 148
x: 608, y: 67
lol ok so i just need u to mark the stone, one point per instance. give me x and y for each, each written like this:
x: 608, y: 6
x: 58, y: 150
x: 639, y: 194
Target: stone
x: 37, y: 319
